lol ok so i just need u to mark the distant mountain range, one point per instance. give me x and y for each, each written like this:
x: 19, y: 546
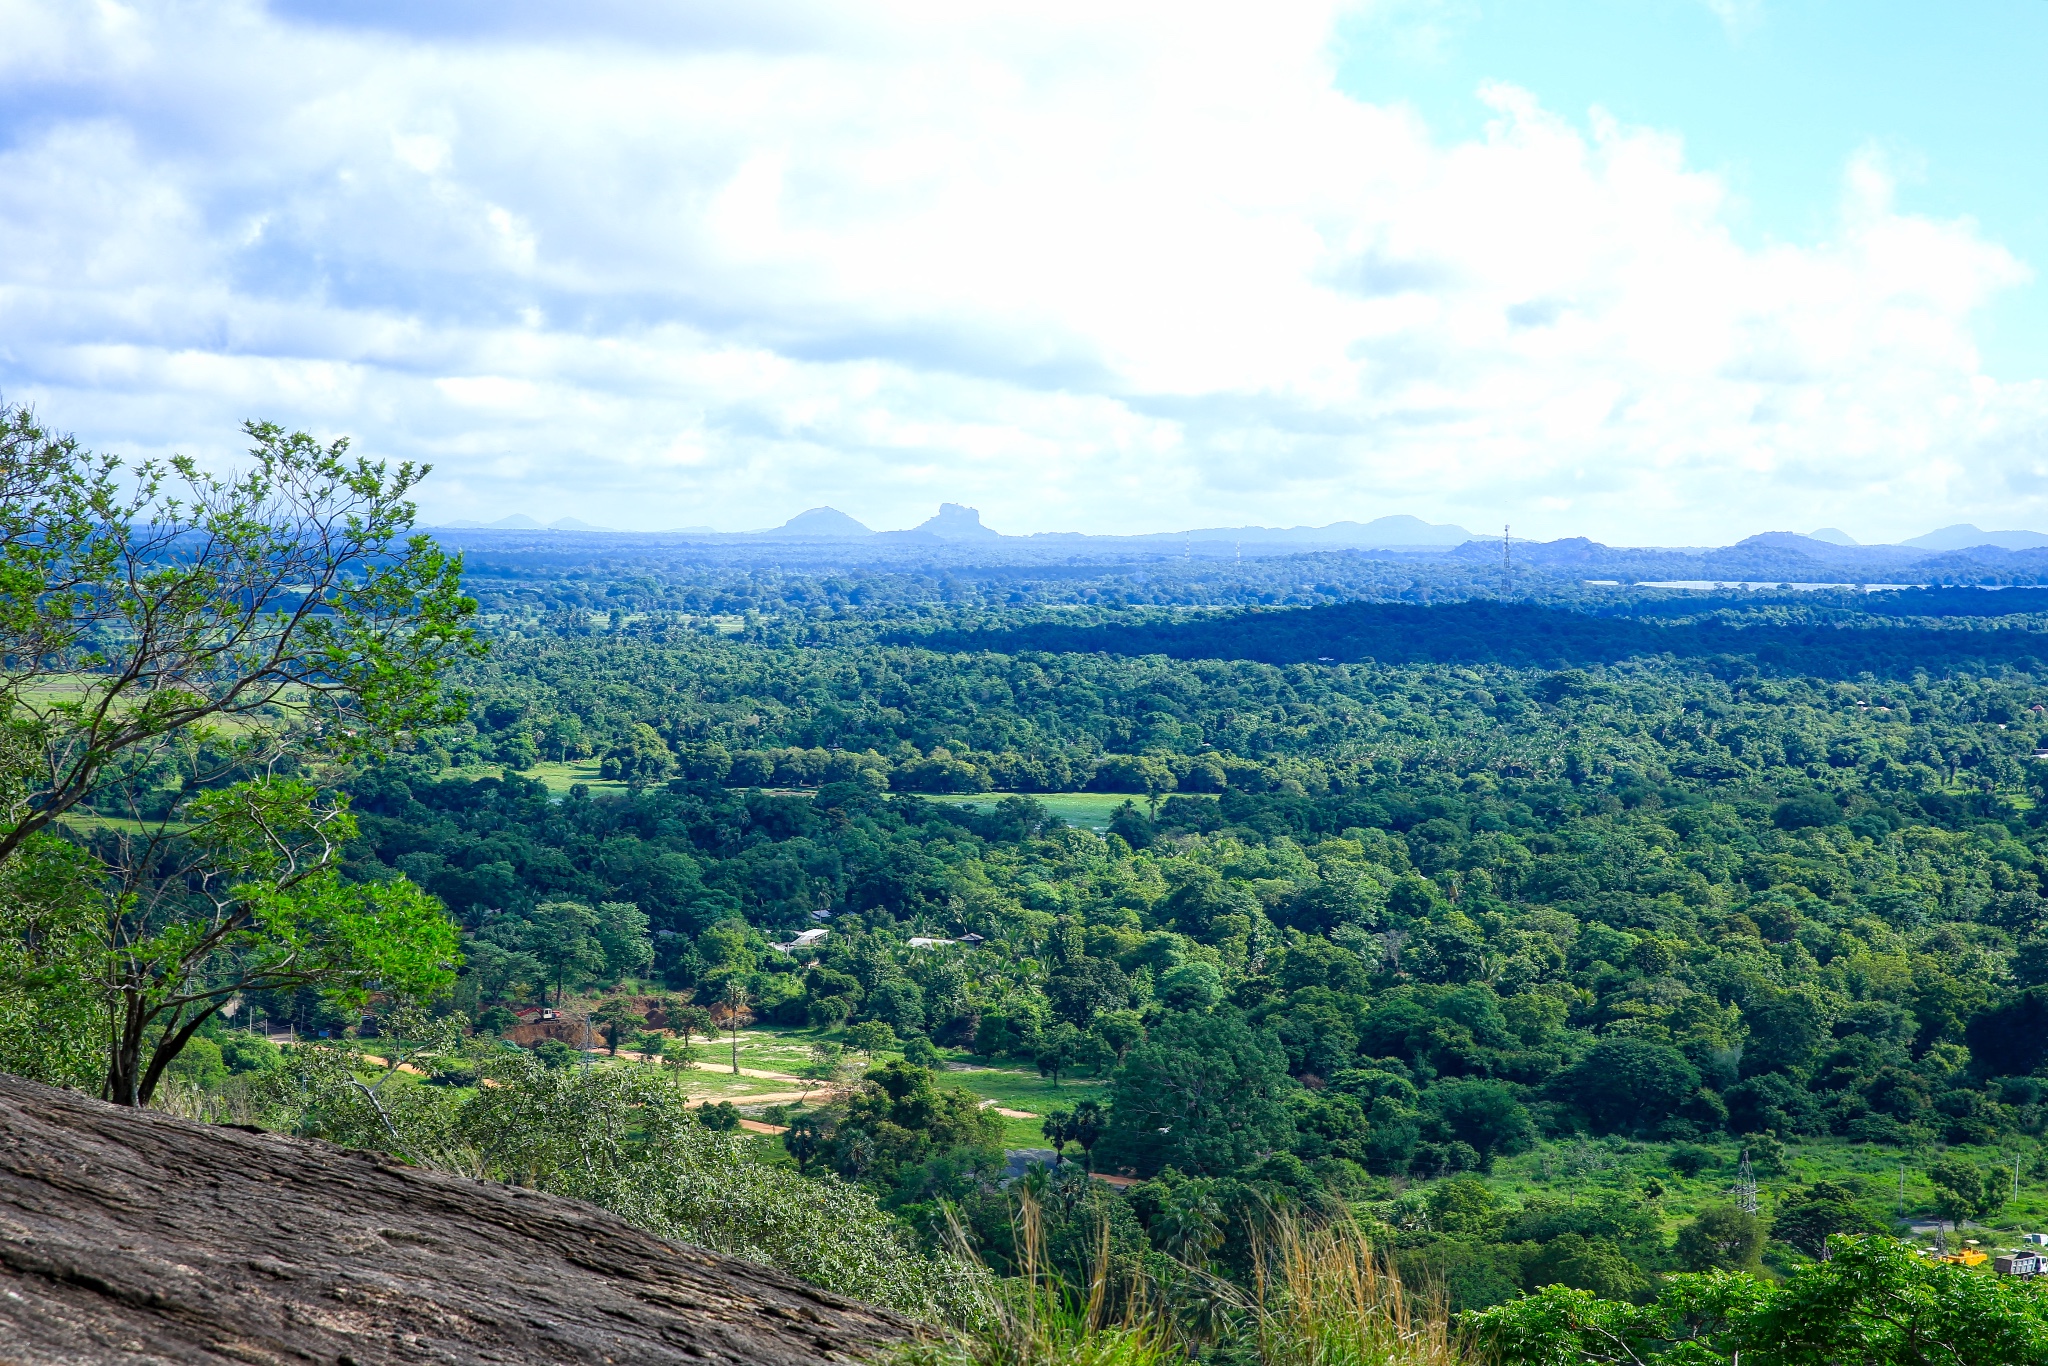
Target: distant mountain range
x: 1967, y: 537
x: 956, y: 522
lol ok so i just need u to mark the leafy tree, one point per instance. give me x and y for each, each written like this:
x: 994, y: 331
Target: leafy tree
x: 164, y: 632
x: 678, y: 1056
x: 1119, y: 1030
x: 140, y: 605
x: 1058, y: 1050
x: 561, y: 937
x: 614, y: 1019
x: 1189, y: 1221
x: 1786, y: 1030
x: 1485, y: 1115
x: 689, y: 1020
x: 262, y: 908
x: 496, y: 1020
x: 1963, y: 1191
x: 1058, y: 1128
x: 620, y: 930
x: 1632, y: 1084
x: 870, y: 1037
x: 1089, y: 1121
x: 1594, y: 1264
x: 1689, y: 1159
x: 1204, y: 1094
x: 805, y: 1139
x: 1876, y: 1302
x: 1807, y: 1219
x: 640, y: 758
x: 1720, y: 1238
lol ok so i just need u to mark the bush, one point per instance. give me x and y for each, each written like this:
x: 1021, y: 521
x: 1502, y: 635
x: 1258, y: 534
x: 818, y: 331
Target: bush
x: 496, y: 1020
x: 1721, y: 1238
x: 555, y: 1054
x: 1689, y: 1159
x: 621, y: 1137
x: 249, y: 1053
x: 200, y: 1064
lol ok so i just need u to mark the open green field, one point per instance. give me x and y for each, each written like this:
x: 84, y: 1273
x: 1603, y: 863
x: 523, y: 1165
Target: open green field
x: 1015, y: 1089
x: 1088, y: 810
x: 559, y: 778
x: 784, y: 1051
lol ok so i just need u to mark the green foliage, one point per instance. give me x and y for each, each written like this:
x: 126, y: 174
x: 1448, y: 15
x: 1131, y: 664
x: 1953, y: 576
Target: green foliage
x: 1964, y: 1191
x: 1720, y: 1238
x: 52, y: 1021
x: 1874, y: 1303
x: 269, y: 912
x: 621, y: 1138
x: 147, y: 603
x: 1689, y: 1159
x: 1807, y: 1218
x: 180, y: 649
x: 1203, y: 1093
x: 1633, y: 1084
x: 871, y: 1037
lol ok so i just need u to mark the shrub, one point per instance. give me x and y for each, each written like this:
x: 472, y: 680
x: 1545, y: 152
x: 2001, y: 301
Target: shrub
x: 1689, y: 1159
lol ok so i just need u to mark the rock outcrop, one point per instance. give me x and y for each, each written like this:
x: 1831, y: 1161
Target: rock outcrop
x: 135, y: 1237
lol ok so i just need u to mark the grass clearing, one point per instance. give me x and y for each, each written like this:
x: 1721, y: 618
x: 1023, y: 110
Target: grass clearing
x: 1015, y: 1089
x: 778, y: 1049
x: 1088, y: 810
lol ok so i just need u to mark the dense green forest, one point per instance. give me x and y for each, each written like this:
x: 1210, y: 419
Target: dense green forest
x: 1363, y: 932
x: 1496, y: 933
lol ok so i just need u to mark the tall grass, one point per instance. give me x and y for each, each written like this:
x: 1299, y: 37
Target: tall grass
x: 1322, y: 1295
x: 1039, y: 1319
x: 1325, y: 1296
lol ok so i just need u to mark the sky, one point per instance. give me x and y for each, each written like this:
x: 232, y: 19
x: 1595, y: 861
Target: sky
x: 1650, y: 271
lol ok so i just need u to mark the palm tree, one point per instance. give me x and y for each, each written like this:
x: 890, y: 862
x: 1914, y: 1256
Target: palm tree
x: 1086, y: 1127
x: 1193, y: 1222
x: 736, y: 1003
x: 1058, y: 1128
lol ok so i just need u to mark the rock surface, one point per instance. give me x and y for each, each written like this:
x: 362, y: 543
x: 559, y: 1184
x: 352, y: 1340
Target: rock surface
x: 135, y: 1237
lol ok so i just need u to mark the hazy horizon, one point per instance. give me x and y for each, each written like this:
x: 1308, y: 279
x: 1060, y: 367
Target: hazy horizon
x: 1420, y: 533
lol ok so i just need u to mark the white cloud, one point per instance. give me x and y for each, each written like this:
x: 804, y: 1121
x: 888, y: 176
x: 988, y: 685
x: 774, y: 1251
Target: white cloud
x: 1087, y: 268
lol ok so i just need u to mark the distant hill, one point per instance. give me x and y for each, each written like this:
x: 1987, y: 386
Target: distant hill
x: 954, y: 522
x: 1381, y: 533
x: 1963, y: 536
x: 821, y: 521
x: 1833, y: 536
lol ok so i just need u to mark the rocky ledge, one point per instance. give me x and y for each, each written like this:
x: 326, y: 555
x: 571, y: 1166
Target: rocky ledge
x: 138, y: 1238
